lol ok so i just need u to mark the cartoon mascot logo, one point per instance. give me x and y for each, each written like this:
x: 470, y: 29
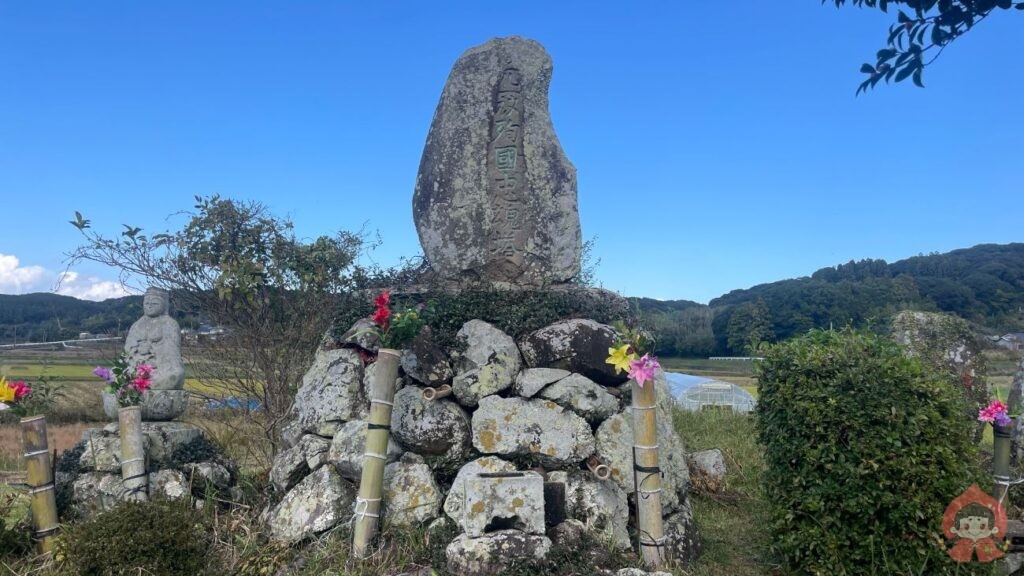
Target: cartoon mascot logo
x: 976, y: 523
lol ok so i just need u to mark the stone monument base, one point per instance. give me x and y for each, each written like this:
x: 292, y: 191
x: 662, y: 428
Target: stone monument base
x: 182, y: 463
x: 157, y: 405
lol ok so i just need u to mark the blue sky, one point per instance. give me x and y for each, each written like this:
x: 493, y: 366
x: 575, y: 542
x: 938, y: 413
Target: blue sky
x: 718, y: 144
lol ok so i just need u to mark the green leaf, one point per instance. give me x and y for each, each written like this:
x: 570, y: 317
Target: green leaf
x: 885, y: 54
x: 867, y: 68
x: 905, y: 72
x: 917, y: 78
x: 902, y: 18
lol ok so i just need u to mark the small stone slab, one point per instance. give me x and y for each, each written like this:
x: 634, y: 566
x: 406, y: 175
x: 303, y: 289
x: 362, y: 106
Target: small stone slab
x: 532, y: 380
x: 492, y: 553
x: 504, y: 500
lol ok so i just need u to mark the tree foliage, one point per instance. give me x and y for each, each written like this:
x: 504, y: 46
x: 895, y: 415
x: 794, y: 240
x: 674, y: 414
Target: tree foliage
x: 242, y: 269
x: 916, y: 39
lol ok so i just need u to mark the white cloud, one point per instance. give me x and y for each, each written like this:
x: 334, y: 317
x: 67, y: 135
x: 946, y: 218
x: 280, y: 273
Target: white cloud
x: 18, y: 279
x: 89, y: 287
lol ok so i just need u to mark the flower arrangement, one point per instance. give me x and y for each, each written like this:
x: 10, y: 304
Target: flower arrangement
x: 396, y: 328
x: 124, y: 382
x: 14, y: 396
x: 625, y: 356
x: 996, y: 412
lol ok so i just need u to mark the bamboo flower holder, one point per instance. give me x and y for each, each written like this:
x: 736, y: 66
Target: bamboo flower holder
x: 40, y: 481
x: 647, y: 475
x: 599, y: 470
x: 371, y: 484
x: 133, y: 455
x: 431, y: 394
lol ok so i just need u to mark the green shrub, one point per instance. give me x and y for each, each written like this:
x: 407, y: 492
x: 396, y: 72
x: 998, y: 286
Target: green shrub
x: 865, y: 449
x: 516, y: 313
x: 159, y: 538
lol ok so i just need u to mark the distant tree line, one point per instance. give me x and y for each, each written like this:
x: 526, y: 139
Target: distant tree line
x: 983, y: 284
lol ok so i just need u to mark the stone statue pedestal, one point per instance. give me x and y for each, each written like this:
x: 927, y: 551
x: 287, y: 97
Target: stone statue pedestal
x: 157, y: 405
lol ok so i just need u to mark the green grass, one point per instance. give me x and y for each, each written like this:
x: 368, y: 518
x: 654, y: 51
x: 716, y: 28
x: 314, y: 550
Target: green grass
x: 731, y: 523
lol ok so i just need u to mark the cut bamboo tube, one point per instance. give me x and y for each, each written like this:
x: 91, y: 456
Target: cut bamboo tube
x: 133, y: 455
x: 40, y: 481
x: 599, y: 470
x: 430, y: 394
x: 647, y: 474
x: 371, y: 484
x: 1001, y: 438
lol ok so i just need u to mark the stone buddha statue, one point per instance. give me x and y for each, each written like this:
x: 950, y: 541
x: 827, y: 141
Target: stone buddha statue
x: 155, y: 339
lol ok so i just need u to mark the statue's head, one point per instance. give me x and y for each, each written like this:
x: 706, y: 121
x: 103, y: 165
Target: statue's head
x: 156, y: 302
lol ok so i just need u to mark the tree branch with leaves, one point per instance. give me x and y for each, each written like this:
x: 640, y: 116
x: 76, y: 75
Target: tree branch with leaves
x: 918, y: 38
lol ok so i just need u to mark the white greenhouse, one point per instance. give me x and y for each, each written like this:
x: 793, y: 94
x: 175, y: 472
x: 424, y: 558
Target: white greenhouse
x: 695, y: 393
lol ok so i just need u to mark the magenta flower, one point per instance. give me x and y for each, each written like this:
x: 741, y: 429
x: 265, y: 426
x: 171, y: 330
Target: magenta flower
x: 643, y: 369
x: 144, y: 370
x: 995, y: 412
x: 140, y: 384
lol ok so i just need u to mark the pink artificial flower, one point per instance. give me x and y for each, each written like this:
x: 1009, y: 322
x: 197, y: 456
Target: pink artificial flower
x: 20, y: 390
x: 994, y: 410
x: 144, y: 370
x: 140, y: 384
x: 643, y: 369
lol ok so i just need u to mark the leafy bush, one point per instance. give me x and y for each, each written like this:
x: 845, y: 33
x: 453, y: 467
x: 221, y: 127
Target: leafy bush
x: 158, y: 537
x: 864, y: 449
x: 15, y: 531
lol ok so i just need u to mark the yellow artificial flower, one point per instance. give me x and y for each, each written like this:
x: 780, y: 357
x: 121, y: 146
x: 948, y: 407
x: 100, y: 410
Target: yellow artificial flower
x: 6, y: 392
x: 620, y: 358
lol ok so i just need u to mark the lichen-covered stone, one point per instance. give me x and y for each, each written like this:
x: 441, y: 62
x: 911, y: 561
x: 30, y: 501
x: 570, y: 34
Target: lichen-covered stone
x: 424, y: 362
x: 411, y: 495
x: 288, y: 469
x: 455, y: 502
x: 435, y: 429
x: 488, y: 364
x: 581, y: 395
x: 331, y: 392
x: 212, y: 473
x: 363, y: 333
x: 169, y: 484
x: 600, y: 504
x: 577, y: 345
x: 707, y: 468
x: 491, y: 554
x: 318, y: 503
x: 314, y: 448
x: 510, y: 500
x: 681, y: 531
x: 349, y: 447
x: 495, y: 197
x: 532, y: 380
x: 536, y: 428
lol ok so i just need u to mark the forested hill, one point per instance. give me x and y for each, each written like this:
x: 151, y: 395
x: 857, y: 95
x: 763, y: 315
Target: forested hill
x: 983, y: 284
x: 46, y: 317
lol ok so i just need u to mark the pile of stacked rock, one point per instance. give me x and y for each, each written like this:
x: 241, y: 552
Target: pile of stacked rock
x: 181, y: 461
x: 521, y: 415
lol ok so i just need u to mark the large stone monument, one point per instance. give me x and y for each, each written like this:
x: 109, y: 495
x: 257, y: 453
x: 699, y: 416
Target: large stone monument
x: 155, y: 339
x: 495, y: 198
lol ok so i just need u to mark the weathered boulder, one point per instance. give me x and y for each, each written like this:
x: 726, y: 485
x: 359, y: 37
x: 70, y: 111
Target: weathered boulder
x: 161, y: 441
x: 435, y: 429
x: 169, y: 484
x: 315, y: 449
x: 288, y: 469
x: 411, y: 495
x: 348, y: 448
x: 102, y: 453
x: 495, y: 197
x: 639, y: 572
x: 707, y: 469
x: 86, y: 497
x: 488, y: 364
x: 202, y: 474
x: 425, y: 362
x: 532, y: 380
x: 568, y: 534
x: 538, y: 428
x: 504, y: 500
x: 454, y: 504
x: 320, y: 502
x: 600, y: 504
x: 331, y: 392
x: 577, y: 345
x: 363, y: 334
x: 681, y: 532
x: 581, y: 395
x: 489, y: 555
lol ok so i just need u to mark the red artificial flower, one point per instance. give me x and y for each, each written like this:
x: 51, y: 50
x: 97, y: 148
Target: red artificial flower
x: 20, y: 390
x: 140, y: 384
x: 380, y: 317
x: 382, y: 299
